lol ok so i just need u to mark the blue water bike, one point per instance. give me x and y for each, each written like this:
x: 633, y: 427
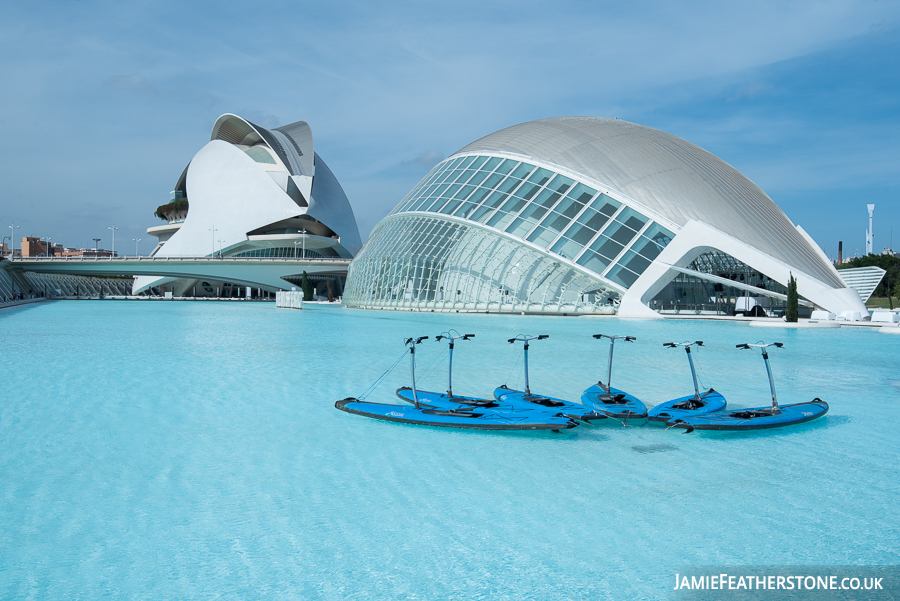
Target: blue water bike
x: 691, y: 405
x: 757, y: 418
x: 518, y: 397
x: 615, y: 403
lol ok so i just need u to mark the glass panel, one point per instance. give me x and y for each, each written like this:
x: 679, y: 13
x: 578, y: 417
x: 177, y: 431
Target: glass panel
x: 478, y: 178
x: 634, y: 262
x: 496, y: 199
x: 527, y: 191
x: 561, y: 184
x: 593, y: 220
x: 582, y: 193
x: 491, y: 163
x: 593, y: 261
x: 556, y: 222
x: 481, y: 214
x: 647, y: 248
x: 519, y: 227
x: 450, y: 206
x: 465, y: 209
x: 622, y: 276
x: 499, y: 220
x: 619, y: 233
x: 451, y: 190
x: 466, y: 175
x: 547, y: 198
x: 509, y: 184
x: 464, y: 192
x: 513, y: 205
x: 607, y: 247
x: 631, y: 218
x: 466, y: 162
x: 660, y: 235
x: 542, y: 237
x: 492, y: 181
x: 534, y: 212
x: 606, y: 205
x: 567, y: 249
x: 540, y: 177
x: 477, y: 162
x: 522, y: 171
x: 581, y: 234
x: 506, y: 166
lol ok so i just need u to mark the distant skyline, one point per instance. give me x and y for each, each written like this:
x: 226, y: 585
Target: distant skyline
x: 104, y: 103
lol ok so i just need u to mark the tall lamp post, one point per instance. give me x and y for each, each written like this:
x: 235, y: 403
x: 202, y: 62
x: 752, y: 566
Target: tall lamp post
x: 296, y: 242
x: 4, y: 238
x: 96, y: 242
x: 113, y: 228
x: 12, y: 240
x: 213, y: 230
x: 135, y: 240
x: 47, y: 251
x: 303, y: 254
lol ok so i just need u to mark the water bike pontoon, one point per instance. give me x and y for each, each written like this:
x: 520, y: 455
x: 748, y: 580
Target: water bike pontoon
x: 568, y: 408
x: 470, y: 418
x: 691, y: 405
x: 758, y: 418
x: 615, y: 403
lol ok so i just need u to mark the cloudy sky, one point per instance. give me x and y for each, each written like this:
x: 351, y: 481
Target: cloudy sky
x: 104, y: 103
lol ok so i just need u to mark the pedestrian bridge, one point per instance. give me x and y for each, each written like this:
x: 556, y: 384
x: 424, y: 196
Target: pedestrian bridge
x: 250, y: 271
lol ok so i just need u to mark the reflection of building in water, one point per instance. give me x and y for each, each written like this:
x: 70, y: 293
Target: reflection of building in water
x: 588, y: 215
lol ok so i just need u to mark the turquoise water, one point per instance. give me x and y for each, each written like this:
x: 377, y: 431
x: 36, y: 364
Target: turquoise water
x: 192, y: 450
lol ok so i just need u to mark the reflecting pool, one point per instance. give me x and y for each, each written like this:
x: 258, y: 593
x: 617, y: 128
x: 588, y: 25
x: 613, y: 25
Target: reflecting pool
x: 192, y: 450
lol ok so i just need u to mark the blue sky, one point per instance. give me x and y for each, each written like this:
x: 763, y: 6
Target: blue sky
x: 104, y: 103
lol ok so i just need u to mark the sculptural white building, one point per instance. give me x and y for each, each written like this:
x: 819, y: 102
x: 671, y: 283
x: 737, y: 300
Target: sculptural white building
x: 256, y: 192
x: 588, y: 215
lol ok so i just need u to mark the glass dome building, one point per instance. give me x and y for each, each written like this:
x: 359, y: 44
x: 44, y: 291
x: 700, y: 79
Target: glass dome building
x: 583, y: 215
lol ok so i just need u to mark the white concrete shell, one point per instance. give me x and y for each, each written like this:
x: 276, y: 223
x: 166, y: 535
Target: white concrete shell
x: 252, y: 189
x: 627, y: 206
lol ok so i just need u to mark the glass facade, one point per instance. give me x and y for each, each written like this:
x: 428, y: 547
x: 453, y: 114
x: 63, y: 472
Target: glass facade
x: 567, y: 221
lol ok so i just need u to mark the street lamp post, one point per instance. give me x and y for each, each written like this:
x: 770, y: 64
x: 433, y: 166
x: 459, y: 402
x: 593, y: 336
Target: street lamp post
x: 47, y: 250
x: 213, y: 230
x: 12, y: 240
x: 135, y: 240
x: 113, y: 228
x: 96, y: 242
x: 296, y: 242
x: 304, y: 244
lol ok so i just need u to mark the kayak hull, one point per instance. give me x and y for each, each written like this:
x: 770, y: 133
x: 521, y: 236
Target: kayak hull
x: 475, y: 420
x: 674, y: 409
x: 567, y: 408
x: 617, y: 404
x: 758, y: 418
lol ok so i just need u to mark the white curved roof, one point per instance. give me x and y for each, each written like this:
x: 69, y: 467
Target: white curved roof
x: 674, y: 178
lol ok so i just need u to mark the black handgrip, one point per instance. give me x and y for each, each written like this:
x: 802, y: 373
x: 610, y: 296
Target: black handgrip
x: 598, y: 336
x: 779, y: 345
x: 542, y: 336
x: 511, y: 340
x: 669, y: 344
x: 742, y: 346
x: 467, y: 336
x: 630, y: 338
x: 699, y: 343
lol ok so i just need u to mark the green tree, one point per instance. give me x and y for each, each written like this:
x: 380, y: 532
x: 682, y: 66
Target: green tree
x: 889, y: 283
x: 307, y: 287
x: 793, y: 301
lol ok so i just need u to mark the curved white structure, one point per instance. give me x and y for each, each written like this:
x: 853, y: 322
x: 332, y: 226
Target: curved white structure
x: 588, y: 215
x: 255, y: 192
